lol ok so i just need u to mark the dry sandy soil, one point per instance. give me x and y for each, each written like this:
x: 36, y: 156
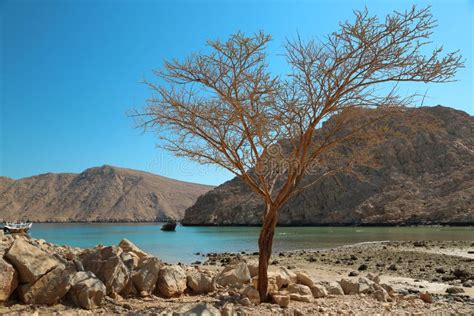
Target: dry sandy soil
x: 413, y: 267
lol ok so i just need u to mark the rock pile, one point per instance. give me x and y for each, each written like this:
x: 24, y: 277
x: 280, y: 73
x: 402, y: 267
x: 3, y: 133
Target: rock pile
x: 36, y: 272
x: 286, y: 285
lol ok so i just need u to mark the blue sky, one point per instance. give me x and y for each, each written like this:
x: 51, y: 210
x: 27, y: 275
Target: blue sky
x: 70, y: 71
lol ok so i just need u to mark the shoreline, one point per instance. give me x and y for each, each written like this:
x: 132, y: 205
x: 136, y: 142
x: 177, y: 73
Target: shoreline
x: 455, y: 224
x: 430, y: 266
x: 440, y: 224
x: 205, y: 240
x: 411, y: 287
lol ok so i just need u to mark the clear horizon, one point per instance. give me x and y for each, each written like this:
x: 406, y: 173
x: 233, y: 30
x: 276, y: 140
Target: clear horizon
x: 72, y: 70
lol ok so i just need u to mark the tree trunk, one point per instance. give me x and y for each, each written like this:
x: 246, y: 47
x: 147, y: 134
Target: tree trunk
x: 265, y: 243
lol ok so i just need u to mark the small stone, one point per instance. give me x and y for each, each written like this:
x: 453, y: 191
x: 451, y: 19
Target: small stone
x: 299, y: 289
x: 448, y: 278
x: 281, y: 299
x: 272, y: 283
x: 86, y: 291
x: 285, y: 277
x: 319, y: 291
x: 419, y: 243
x: 252, y: 294
x: 373, y: 277
x: 392, y: 267
x: 305, y: 279
x: 426, y: 297
x: 353, y: 273
x: 227, y: 309
x: 381, y: 295
x: 301, y: 298
x: 127, y: 246
x: 130, y: 260
x: 145, y: 277
x: 234, y: 276
x: 363, y: 267
x: 171, y: 281
x: 461, y: 273
x: 349, y: 286
x: 366, y: 286
x: 245, y: 301
x: 440, y: 270
x: 468, y: 283
x: 454, y: 290
x: 199, y: 282
x: 334, y: 288
x: 252, y: 265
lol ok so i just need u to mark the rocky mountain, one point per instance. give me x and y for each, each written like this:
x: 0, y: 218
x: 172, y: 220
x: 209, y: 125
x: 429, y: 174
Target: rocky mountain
x: 98, y: 194
x: 424, y: 175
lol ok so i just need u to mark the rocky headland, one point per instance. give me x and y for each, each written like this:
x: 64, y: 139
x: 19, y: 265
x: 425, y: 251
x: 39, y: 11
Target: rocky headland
x: 100, y: 194
x: 396, y: 277
x: 422, y: 175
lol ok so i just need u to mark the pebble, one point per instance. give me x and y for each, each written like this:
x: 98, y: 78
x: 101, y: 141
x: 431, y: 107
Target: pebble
x: 419, y: 243
x: 362, y: 267
x: 426, y: 297
x: 245, y: 301
x: 468, y: 283
x: 454, y: 290
x: 392, y: 267
x: 440, y: 270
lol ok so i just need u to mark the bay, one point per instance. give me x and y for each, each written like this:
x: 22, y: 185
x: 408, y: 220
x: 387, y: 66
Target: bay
x: 182, y: 245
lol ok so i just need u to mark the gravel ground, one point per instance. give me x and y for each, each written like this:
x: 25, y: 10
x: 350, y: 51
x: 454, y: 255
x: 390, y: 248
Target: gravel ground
x: 413, y: 267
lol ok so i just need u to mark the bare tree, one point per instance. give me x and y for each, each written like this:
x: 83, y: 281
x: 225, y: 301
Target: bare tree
x: 225, y: 107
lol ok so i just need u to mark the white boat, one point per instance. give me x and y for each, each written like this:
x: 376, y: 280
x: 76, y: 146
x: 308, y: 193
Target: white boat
x: 22, y: 227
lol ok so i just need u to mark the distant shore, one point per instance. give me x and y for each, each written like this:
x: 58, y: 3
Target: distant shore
x: 144, y: 221
x: 346, y: 225
x: 121, y: 221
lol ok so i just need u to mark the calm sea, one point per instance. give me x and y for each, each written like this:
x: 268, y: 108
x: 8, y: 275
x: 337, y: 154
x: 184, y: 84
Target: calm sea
x: 181, y: 246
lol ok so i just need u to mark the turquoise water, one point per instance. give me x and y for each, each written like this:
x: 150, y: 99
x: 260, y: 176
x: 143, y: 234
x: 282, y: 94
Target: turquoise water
x: 180, y: 246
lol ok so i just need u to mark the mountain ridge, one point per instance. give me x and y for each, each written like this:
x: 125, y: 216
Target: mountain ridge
x: 97, y: 194
x: 426, y: 178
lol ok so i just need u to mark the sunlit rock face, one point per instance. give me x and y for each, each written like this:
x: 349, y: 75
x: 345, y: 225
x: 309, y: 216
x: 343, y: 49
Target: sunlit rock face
x: 425, y: 176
